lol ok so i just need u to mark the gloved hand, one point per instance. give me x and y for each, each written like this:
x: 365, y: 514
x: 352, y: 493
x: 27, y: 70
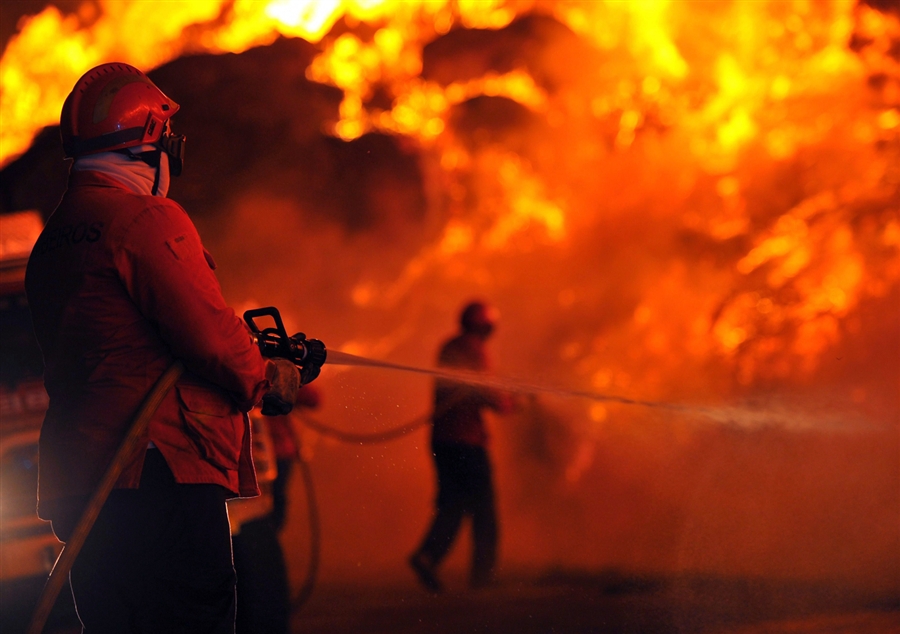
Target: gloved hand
x: 285, y: 381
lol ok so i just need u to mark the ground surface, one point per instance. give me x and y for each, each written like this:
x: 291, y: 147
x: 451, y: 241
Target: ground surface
x: 608, y: 602
x: 595, y: 603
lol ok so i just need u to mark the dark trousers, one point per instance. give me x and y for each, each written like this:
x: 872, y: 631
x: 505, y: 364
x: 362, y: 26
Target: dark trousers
x: 263, y: 601
x: 465, y: 487
x: 157, y: 560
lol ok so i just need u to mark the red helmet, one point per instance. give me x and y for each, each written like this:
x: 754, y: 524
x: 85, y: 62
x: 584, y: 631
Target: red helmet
x: 113, y: 106
x: 479, y: 318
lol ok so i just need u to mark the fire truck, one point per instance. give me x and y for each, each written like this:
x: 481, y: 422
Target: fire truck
x: 28, y: 547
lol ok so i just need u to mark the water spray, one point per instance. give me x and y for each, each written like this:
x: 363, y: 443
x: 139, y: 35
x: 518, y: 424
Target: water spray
x: 309, y: 355
x: 336, y: 357
x: 770, y: 414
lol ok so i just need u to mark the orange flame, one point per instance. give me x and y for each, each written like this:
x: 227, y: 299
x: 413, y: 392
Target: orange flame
x: 764, y: 91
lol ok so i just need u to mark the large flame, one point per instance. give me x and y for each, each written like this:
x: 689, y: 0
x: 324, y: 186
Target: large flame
x: 684, y: 92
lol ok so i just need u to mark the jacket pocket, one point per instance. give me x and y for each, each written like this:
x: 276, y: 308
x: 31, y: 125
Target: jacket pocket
x: 213, y: 423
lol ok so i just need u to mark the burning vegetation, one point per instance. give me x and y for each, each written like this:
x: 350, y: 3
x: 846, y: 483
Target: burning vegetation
x: 691, y: 202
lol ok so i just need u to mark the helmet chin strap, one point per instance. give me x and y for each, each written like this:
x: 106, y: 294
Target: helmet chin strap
x: 163, y: 175
x: 158, y: 160
x: 155, y: 162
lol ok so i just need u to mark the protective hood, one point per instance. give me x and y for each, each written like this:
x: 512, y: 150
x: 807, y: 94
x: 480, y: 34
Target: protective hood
x: 128, y: 169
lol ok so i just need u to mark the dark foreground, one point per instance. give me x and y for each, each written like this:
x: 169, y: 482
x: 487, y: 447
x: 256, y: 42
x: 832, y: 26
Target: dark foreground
x: 561, y: 603
x: 575, y: 603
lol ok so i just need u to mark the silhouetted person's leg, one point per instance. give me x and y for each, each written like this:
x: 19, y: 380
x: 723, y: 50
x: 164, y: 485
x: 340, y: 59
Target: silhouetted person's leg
x: 484, y: 522
x: 450, y: 463
x: 443, y: 531
x: 436, y: 544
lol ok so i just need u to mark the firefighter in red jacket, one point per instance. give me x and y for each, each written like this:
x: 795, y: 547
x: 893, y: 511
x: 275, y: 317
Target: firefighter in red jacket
x: 120, y: 287
x: 459, y: 446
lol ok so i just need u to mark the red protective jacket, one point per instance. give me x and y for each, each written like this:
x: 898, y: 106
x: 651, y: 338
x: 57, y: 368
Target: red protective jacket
x: 458, y: 408
x: 119, y: 287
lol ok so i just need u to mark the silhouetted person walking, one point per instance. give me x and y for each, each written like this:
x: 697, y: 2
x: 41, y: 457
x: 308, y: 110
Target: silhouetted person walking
x: 459, y: 446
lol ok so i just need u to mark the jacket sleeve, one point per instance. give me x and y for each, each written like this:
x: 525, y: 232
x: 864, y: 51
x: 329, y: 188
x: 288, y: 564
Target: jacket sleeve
x: 163, y: 266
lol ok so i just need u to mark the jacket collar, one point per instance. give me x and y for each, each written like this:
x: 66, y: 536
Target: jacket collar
x: 86, y: 178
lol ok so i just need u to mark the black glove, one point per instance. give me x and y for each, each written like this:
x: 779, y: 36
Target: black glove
x: 280, y: 398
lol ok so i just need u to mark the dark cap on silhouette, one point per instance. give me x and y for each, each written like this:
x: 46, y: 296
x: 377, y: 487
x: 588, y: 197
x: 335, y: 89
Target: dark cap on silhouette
x: 479, y: 318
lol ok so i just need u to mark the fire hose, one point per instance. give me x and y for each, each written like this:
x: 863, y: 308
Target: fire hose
x: 309, y: 355
x: 306, y: 589
x: 131, y: 443
x: 365, y: 439
x: 312, y: 506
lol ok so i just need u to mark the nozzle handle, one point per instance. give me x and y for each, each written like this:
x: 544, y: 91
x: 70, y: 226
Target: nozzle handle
x: 269, y: 311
